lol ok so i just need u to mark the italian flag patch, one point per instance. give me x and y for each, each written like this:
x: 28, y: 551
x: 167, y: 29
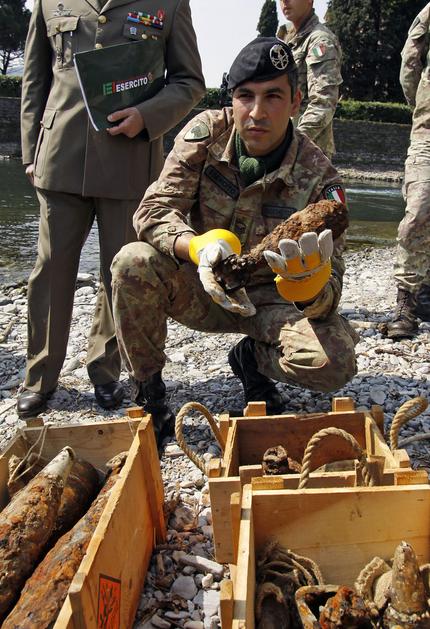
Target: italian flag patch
x: 319, y: 51
x: 335, y: 193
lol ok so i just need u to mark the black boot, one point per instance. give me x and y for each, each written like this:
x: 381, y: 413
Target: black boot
x: 151, y: 394
x: 423, y: 303
x: 404, y: 323
x: 256, y: 386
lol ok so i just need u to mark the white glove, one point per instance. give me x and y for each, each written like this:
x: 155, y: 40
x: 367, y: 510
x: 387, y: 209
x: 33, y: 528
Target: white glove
x: 211, y: 255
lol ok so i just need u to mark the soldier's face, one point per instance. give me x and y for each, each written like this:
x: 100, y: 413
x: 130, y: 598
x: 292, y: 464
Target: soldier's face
x: 262, y: 112
x: 296, y: 10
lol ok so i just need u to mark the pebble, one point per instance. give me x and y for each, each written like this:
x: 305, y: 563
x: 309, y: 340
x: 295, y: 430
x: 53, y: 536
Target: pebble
x: 184, y: 586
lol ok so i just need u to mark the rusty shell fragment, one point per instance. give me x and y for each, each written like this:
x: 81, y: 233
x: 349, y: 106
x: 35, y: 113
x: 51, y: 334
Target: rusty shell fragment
x: 26, y: 524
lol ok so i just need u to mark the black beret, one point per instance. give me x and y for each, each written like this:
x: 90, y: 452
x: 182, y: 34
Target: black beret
x: 263, y: 59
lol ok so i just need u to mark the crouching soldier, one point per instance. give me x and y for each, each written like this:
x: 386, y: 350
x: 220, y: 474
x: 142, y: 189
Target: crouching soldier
x: 232, y: 176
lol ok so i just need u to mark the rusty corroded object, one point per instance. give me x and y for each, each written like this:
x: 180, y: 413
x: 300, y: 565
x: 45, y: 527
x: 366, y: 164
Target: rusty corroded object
x: 235, y: 271
x: 277, y: 461
x: 348, y: 609
x: 26, y: 524
x: 50, y: 582
x: 332, y: 607
x: 373, y: 582
x: 280, y: 572
x: 80, y: 489
x: 408, y: 606
x: 401, y: 592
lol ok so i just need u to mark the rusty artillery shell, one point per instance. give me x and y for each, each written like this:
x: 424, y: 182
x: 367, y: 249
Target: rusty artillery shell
x: 81, y: 487
x: 51, y: 579
x: 235, y: 271
x: 26, y: 524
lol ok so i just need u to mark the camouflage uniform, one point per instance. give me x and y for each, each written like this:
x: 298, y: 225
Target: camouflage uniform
x: 412, y: 267
x: 318, y: 57
x: 198, y: 190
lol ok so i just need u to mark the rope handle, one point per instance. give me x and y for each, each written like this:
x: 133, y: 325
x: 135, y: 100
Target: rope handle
x: 407, y: 411
x: 315, y: 440
x: 193, y: 456
x: 30, y: 456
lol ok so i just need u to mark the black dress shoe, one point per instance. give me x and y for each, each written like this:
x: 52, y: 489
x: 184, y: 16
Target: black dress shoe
x: 109, y: 395
x: 31, y: 403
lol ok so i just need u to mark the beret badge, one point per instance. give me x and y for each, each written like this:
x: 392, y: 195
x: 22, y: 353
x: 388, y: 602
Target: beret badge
x: 279, y: 57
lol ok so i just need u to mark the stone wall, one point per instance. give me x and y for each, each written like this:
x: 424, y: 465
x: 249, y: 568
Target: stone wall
x: 358, y: 143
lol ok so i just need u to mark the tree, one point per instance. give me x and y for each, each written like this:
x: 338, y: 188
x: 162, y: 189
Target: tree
x: 268, y: 22
x: 14, y: 19
x: 372, y: 34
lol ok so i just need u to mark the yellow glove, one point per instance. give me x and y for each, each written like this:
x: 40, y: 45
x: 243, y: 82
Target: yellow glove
x: 303, y: 268
x: 207, y: 251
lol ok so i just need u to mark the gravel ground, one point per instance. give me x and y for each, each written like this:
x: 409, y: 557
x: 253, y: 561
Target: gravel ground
x: 185, y: 590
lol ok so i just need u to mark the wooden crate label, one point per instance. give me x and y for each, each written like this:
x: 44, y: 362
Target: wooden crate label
x: 109, y: 605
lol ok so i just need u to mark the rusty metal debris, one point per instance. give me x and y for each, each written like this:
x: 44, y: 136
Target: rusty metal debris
x: 277, y: 461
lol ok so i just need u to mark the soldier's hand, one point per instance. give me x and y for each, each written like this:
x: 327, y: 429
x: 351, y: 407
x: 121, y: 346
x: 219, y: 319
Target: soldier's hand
x: 303, y: 268
x: 130, y: 122
x: 207, y: 251
x: 29, y: 171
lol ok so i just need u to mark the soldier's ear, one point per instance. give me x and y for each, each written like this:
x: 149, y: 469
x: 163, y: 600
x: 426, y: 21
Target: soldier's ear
x: 296, y: 103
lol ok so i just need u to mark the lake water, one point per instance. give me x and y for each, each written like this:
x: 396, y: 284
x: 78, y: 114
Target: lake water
x: 375, y: 211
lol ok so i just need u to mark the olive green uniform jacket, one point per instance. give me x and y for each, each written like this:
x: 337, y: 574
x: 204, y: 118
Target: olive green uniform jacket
x: 318, y: 57
x: 69, y: 155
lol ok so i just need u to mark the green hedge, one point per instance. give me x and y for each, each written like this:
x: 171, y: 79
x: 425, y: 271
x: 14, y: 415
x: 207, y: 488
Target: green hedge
x: 347, y: 109
x: 374, y: 112
x: 10, y: 85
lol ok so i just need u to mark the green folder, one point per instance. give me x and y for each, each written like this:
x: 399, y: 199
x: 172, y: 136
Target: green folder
x: 120, y: 76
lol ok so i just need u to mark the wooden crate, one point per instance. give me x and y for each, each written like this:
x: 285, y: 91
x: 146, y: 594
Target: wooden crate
x: 132, y: 522
x: 341, y: 529
x: 247, y: 438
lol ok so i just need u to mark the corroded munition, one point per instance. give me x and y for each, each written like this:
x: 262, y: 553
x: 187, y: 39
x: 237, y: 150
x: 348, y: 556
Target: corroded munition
x: 51, y: 579
x: 277, y: 461
x: 408, y: 605
x: 26, y: 524
x: 347, y: 609
x: 235, y: 271
x: 81, y: 487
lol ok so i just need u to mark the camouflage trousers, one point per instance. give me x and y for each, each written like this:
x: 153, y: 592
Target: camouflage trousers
x: 148, y: 287
x: 412, y: 267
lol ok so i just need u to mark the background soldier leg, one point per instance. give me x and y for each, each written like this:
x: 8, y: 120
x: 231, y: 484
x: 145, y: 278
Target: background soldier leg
x: 413, y: 258
x: 65, y: 221
x: 114, y: 219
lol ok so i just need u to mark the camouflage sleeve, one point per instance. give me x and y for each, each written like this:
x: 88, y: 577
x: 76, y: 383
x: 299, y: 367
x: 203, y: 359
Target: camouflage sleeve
x: 328, y: 300
x: 323, y: 63
x: 162, y: 214
x: 413, y: 55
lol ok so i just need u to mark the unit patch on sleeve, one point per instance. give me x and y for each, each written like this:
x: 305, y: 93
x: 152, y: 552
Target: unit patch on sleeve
x: 200, y: 131
x: 335, y: 192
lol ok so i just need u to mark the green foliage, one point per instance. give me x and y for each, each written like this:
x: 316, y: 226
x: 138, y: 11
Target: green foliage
x: 268, y: 22
x: 211, y: 100
x: 375, y: 112
x: 372, y: 34
x: 14, y: 19
x: 10, y: 85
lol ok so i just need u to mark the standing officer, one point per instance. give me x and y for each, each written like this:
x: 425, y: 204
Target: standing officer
x: 243, y: 170
x: 318, y: 57
x: 80, y: 174
x: 412, y: 267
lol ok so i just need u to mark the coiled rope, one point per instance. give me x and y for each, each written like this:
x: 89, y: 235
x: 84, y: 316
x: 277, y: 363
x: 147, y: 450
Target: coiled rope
x: 355, y: 446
